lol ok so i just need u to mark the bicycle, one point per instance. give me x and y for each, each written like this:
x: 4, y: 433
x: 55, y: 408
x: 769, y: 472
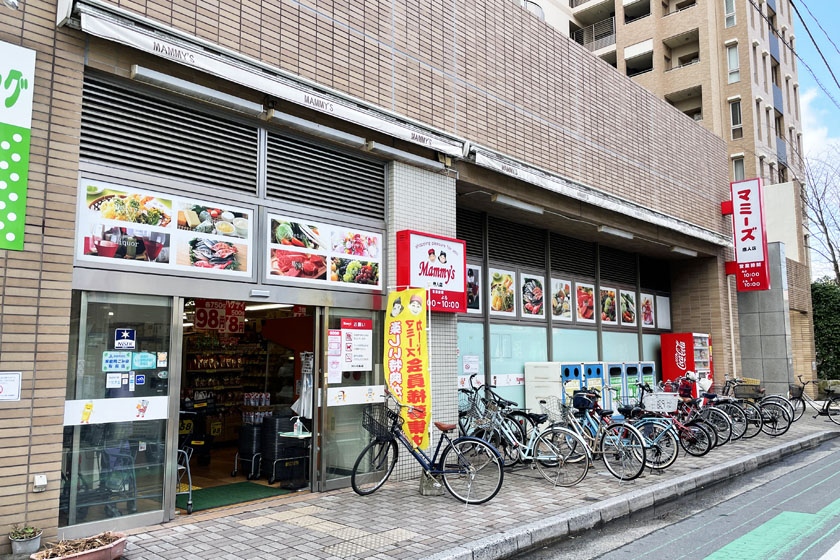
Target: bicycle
x: 716, y: 418
x: 752, y: 412
x: 555, y: 451
x: 775, y: 418
x: 471, y: 468
x: 619, y: 444
x: 798, y: 398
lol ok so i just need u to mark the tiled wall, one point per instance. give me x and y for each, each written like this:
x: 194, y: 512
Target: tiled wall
x: 35, y: 283
x: 410, y: 191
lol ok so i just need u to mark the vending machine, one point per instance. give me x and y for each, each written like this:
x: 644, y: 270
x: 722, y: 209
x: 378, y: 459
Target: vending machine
x: 683, y: 352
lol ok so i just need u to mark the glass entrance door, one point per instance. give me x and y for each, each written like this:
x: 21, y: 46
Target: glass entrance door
x: 351, y: 377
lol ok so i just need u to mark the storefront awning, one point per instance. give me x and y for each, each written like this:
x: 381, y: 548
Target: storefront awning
x: 550, y: 181
x: 166, y: 44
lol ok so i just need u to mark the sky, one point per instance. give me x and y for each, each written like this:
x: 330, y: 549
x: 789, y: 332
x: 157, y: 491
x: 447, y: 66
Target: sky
x: 820, y: 116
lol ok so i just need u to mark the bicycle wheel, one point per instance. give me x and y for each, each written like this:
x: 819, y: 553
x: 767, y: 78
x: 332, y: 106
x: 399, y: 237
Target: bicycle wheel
x: 472, y: 470
x: 798, y: 407
x: 721, y: 422
x: 560, y: 456
x: 661, y: 444
x: 524, y: 422
x: 696, y: 440
x: 373, y: 466
x: 776, y: 419
x: 754, y: 421
x: 623, y: 450
x: 780, y: 400
x: 833, y: 410
x: 713, y: 436
x: 510, y: 449
x: 738, y: 417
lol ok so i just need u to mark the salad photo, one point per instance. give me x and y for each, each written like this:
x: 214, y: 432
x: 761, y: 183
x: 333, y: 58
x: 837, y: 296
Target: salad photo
x: 648, y: 319
x: 608, y: 306
x: 532, y: 296
x: 358, y: 244
x: 210, y: 219
x: 501, y: 292
x: 298, y: 265
x: 561, y: 299
x: 298, y: 236
x: 628, y: 307
x: 586, y: 303
x: 352, y: 271
x: 132, y: 208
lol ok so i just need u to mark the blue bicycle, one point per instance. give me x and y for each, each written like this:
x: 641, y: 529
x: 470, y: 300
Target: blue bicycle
x: 470, y: 467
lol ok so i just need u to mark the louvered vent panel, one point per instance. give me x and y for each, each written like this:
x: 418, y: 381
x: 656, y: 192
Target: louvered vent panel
x: 469, y: 230
x: 617, y: 266
x: 313, y: 175
x: 123, y: 127
x: 572, y: 256
x: 655, y: 274
x: 516, y: 243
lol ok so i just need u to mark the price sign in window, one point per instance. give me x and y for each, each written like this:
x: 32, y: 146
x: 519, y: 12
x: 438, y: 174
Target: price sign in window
x: 219, y: 315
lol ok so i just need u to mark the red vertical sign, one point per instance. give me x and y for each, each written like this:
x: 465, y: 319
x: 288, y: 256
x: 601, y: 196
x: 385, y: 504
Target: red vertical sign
x: 747, y: 209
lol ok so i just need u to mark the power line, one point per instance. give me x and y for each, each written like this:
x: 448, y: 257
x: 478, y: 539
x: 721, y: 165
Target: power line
x: 793, y: 51
x: 830, y: 71
x: 827, y: 36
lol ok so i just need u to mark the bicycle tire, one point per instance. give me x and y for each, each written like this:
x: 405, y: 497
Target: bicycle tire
x: 713, y: 435
x: 524, y: 422
x: 557, y: 455
x: 721, y: 422
x: 662, y: 448
x: 779, y: 399
x: 464, y: 458
x: 833, y: 409
x: 510, y: 450
x: 738, y: 417
x: 754, y: 420
x: 798, y: 407
x: 776, y: 419
x: 695, y: 440
x: 623, y: 450
x: 382, y: 454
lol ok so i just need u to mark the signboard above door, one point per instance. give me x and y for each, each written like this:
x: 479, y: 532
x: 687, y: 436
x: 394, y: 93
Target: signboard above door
x: 437, y: 264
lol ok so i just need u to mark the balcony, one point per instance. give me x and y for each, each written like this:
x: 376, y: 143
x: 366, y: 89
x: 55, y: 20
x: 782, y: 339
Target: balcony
x: 781, y: 150
x: 596, y: 36
x: 778, y: 99
x: 774, y: 47
x: 588, y: 12
x: 682, y: 50
x: 689, y: 101
x: 674, y: 6
x: 636, y: 9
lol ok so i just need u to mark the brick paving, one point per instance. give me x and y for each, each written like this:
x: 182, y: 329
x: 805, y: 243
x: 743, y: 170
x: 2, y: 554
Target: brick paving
x: 397, y: 522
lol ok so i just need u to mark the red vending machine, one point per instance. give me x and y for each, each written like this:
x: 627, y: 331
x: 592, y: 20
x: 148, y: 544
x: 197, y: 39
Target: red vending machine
x: 683, y: 352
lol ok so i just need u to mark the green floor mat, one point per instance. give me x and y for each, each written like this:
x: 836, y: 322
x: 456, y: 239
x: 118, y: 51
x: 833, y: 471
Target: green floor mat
x: 227, y: 495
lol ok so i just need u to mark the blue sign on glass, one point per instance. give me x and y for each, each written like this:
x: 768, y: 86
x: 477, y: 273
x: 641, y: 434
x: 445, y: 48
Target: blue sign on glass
x: 116, y: 361
x: 125, y: 339
x: 140, y: 378
x: 144, y: 360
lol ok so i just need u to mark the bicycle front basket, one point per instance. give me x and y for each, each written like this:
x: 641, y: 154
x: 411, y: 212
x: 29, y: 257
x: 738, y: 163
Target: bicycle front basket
x: 748, y: 391
x: 380, y: 421
x: 795, y: 391
x: 558, y: 413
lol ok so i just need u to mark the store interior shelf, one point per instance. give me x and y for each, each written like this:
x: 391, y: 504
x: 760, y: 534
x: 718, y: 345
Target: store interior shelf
x: 215, y: 388
x: 214, y: 370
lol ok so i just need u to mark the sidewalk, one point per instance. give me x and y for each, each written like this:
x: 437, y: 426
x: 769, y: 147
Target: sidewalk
x: 397, y: 522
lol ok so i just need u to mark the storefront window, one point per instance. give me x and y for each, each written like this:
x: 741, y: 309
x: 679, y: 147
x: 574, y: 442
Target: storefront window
x: 652, y: 347
x: 575, y: 345
x: 511, y: 346
x: 117, y: 403
x: 470, y: 352
x: 620, y: 346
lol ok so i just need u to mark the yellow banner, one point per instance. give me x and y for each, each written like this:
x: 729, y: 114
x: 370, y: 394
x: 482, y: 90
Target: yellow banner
x: 407, y: 360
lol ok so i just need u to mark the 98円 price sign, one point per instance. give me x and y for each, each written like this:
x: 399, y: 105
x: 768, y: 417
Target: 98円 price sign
x: 219, y: 315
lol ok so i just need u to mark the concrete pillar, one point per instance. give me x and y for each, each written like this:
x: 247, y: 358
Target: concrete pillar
x: 766, y: 342
x: 424, y: 201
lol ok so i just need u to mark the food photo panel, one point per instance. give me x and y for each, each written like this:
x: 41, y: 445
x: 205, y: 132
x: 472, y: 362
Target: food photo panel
x: 609, y: 306
x: 561, y: 299
x: 532, y: 296
x: 627, y: 309
x: 474, y: 281
x: 585, y: 298
x: 502, y: 292
x: 648, y: 317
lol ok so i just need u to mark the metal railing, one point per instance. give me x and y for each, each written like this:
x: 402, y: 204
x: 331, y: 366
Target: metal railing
x: 576, y: 3
x: 596, y: 36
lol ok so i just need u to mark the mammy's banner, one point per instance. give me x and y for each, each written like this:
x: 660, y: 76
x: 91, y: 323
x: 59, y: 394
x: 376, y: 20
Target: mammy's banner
x: 407, y: 361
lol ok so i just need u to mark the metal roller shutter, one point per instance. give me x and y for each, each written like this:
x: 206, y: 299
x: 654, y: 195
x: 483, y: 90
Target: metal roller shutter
x: 572, y: 256
x: 314, y: 175
x: 516, y: 244
x: 617, y: 266
x: 468, y: 225
x: 121, y: 126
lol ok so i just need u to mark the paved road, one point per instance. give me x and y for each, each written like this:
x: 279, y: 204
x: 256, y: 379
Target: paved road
x: 789, y: 511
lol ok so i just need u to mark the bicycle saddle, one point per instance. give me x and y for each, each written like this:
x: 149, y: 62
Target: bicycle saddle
x: 505, y: 403
x: 537, y: 418
x: 828, y: 391
x: 445, y: 427
x: 604, y: 413
x: 709, y: 395
x: 626, y: 410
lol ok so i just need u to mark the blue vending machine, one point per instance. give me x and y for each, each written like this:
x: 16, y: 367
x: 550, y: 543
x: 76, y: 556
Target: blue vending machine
x: 570, y: 373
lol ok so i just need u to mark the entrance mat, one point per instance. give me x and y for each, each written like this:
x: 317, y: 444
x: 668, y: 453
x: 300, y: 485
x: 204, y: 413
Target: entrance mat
x: 229, y: 494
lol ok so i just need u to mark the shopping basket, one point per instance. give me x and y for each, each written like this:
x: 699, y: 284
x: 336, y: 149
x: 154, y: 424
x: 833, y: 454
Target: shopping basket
x: 748, y: 391
x: 558, y: 413
x: 381, y: 422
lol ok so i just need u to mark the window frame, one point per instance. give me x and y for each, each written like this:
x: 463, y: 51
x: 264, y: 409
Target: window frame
x: 735, y: 162
x: 736, y: 128
x: 729, y: 17
x: 734, y: 74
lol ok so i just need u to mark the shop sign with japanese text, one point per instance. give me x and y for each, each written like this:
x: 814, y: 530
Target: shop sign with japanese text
x: 17, y: 83
x: 437, y: 264
x: 747, y: 208
x: 356, y: 344
x: 407, y: 361
x: 219, y: 315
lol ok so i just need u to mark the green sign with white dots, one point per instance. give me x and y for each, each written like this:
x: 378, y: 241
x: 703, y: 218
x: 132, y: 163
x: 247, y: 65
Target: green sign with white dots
x: 17, y: 82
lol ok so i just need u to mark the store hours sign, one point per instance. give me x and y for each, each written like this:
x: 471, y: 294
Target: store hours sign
x: 17, y: 83
x: 437, y: 264
x: 747, y: 208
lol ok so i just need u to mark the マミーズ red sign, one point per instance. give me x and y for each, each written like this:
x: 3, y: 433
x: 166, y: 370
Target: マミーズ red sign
x: 747, y: 208
x: 436, y: 264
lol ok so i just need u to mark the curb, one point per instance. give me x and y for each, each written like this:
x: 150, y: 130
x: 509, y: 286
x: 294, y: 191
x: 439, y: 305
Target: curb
x: 560, y: 526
